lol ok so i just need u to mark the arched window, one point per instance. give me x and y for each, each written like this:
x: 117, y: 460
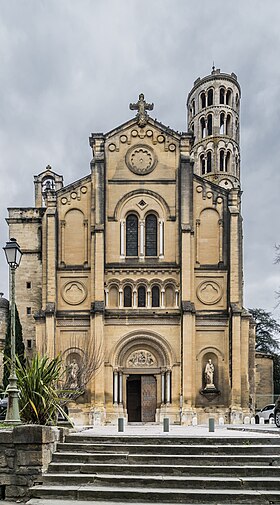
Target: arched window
x: 209, y: 162
x: 169, y: 296
x: 151, y: 235
x: 193, y: 107
x: 228, y: 97
x: 227, y: 161
x: 203, y: 100
x: 210, y: 97
x: 237, y: 102
x: 203, y: 127
x: 127, y: 296
x: 202, y: 164
x: 222, y: 160
x: 155, y: 296
x: 114, y: 297
x: 141, y: 296
x: 132, y: 235
x: 222, y: 95
x: 228, y: 121
x: 222, y: 123
x: 209, y: 124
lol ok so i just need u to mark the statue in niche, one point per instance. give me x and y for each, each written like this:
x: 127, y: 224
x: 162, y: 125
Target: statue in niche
x: 209, y: 375
x: 73, y: 374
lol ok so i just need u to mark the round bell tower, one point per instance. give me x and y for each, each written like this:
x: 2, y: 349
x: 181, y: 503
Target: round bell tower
x: 213, y: 117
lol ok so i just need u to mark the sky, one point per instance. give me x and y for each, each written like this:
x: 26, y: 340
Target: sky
x: 71, y: 67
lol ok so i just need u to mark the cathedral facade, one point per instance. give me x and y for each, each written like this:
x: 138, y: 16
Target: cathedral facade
x: 134, y: 272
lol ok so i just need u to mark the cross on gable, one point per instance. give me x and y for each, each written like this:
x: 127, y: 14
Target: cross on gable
x: 141, y: 106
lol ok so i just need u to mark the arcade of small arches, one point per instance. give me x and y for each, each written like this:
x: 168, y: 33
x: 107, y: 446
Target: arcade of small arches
x: 142, y: 294
x: 206, y: 125
x: 207, y: 98
x: 224, y: 162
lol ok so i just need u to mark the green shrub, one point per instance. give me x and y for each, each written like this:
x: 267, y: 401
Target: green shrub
x: 40, y: 398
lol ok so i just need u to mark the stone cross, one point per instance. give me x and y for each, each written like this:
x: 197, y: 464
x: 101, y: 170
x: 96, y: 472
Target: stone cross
x: 141, y: 106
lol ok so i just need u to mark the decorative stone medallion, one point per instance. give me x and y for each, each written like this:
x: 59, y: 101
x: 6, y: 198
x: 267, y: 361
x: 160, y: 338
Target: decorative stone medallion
x: 74, y: 292
x: 209, y: 292
x: 141, y: 159
x: 140, y: 359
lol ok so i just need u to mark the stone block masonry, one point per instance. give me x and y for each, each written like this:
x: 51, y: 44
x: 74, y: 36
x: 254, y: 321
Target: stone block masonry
x: 25, y: 453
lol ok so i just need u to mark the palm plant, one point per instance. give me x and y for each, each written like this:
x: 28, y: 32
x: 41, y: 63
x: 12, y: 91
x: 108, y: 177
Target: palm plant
x: 40, y: 398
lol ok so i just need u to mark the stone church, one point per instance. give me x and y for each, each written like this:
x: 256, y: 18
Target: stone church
x: 134, y: 272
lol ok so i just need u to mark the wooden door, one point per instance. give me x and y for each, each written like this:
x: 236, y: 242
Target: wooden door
x: 148, y: 398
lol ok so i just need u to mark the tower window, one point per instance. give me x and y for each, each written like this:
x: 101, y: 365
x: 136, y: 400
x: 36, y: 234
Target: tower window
x: 203, y: 127
x: 132, y: 235
x: 222, y: 123
x: 127, y: 296
x: 202, y: 164
x: 228, y: 97
x: 151, y: 235
x: 155, y: 296
x: 228, y: 121
x: 209, y: 124
x: 141, y: 296
x: 203, y: 100
x: 209, y: 162
x: 227, y: 162
x: 222, y: 95
x: 29, y: 343
x: 28, y: 310
x: 193, y: 107
x: 28, y: 285
x: 210, y: 97
x: 222, y: 160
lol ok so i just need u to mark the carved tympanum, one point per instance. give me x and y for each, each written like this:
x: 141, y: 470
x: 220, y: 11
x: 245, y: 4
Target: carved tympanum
x: 140, y: 359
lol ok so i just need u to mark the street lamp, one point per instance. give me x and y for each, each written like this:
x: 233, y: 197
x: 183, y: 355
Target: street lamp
x: 13, y: 257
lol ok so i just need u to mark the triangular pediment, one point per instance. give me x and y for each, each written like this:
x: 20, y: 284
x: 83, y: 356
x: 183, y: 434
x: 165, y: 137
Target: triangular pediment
x: 133, y: 123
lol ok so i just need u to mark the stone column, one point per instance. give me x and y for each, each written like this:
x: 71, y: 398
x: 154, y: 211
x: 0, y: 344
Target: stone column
x: 120, y: 387
x: 115, y: 386
x: 162, y: 387
x: 149, y: 298
x: 161, y: 238
x: 162, y: 298
x: 142, y: 238
x: 168, y: 387
x: 122, y: 238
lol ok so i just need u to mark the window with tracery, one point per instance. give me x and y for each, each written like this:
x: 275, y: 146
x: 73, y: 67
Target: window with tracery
x: 142, y: 296
x: 132, y: 235
x: 155, y: 296
x: 151, y: 235
x: 127, y: 296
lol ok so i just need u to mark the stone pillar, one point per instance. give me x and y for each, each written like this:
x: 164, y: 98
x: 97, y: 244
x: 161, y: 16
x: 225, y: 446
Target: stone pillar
x: 162, y: 298
x: 115, y: 387
x: 122, y: 238
x: 120, y: 387
x: 161, y: 238
x: 142, y: 238
x: 149, y: 298
x: 168, y: 387
x: 162, y: 387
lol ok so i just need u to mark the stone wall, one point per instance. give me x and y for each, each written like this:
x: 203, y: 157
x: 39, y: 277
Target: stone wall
x: 25, y: 453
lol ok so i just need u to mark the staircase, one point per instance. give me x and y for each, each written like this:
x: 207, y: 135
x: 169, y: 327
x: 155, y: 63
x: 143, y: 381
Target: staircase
x: 169, y: 469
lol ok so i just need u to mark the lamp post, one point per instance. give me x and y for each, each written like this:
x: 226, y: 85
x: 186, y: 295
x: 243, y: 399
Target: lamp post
x: 13, y: 257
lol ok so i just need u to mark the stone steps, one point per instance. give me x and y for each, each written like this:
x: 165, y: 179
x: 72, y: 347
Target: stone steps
x: 175, y: 449
x: 157, y: 495
x: 167, y: 459
x: 170, y: 482
x: 164, y: 470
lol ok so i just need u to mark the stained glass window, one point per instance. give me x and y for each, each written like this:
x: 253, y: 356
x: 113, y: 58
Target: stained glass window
x: 155, y: 296
x: 127, y: 296
x: 151, y: 235
x: 141, y: 296
x: 132, y: 235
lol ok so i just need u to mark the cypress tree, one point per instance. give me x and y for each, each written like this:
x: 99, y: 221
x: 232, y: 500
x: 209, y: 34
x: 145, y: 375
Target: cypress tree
x: 20, y: 349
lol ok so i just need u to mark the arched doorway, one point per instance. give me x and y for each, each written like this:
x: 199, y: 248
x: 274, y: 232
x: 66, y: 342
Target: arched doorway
x: 142, y: 376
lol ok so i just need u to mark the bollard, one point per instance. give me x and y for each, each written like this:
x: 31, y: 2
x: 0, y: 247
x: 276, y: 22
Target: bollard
x: 166, y: 424
x: 211, y: 424
x: 120, y: 424
x: 261, y: 420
